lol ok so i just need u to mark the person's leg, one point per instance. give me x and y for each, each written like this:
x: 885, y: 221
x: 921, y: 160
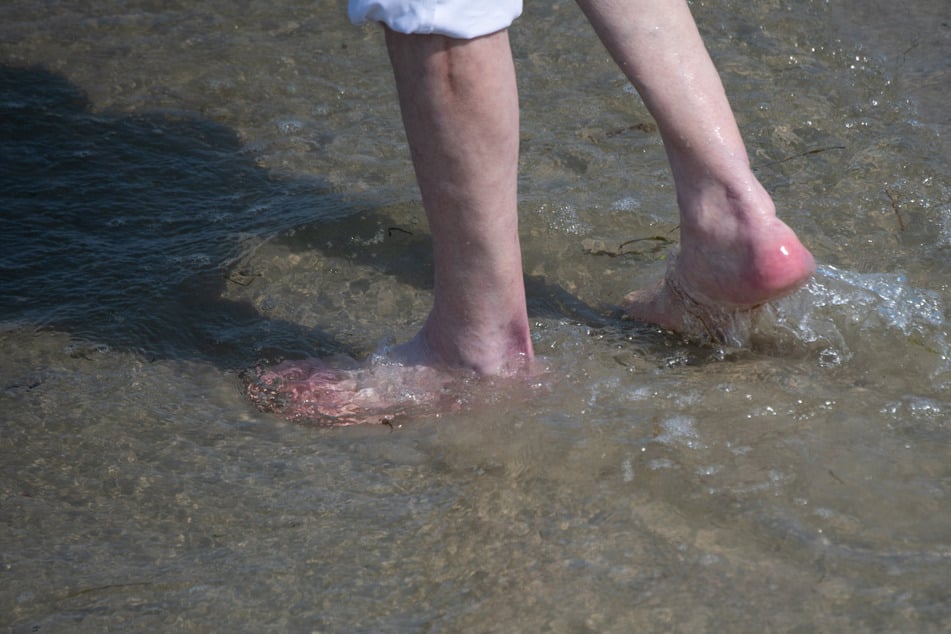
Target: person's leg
x: 460, y: 110
x: 735, y: 253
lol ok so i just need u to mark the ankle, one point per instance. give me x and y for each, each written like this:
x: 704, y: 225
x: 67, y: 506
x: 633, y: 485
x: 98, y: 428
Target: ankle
x: 711, y: 204
x: 486, y: 348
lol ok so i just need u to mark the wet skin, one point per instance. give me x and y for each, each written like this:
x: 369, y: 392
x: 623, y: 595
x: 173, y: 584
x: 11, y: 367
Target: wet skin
x: 459, y: 103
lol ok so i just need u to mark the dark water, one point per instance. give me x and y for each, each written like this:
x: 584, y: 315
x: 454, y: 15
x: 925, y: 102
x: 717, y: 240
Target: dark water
x: 187, y: 188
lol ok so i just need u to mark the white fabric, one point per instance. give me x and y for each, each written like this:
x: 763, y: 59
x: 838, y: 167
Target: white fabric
x: 463, y: 19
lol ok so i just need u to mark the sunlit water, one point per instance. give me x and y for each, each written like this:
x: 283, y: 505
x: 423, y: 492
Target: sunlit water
x: 189, y: 189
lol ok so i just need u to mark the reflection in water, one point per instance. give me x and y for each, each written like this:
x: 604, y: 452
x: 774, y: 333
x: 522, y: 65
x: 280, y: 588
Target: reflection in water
x: 190, y: 190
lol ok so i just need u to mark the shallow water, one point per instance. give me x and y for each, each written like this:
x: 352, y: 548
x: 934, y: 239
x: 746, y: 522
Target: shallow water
x: 188, y: 189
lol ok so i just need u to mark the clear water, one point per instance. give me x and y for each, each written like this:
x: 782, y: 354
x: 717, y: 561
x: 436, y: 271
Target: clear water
x: 187, y: 188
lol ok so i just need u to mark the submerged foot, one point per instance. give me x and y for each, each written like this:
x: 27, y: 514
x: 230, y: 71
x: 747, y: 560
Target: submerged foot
x: 344, y: 392
x: 409, y: 380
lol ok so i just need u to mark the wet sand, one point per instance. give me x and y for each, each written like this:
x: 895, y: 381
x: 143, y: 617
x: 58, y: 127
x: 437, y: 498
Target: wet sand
x: 190, y: 191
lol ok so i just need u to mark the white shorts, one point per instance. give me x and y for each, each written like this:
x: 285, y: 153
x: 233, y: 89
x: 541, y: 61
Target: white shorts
x: 463, y: 19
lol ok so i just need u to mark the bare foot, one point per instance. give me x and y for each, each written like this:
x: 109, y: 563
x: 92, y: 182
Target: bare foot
x: 408, y: 380
x: 735, y: 255
x: 343, y: 392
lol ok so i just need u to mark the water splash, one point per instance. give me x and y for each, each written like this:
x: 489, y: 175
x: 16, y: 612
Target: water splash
x: 838, y: 310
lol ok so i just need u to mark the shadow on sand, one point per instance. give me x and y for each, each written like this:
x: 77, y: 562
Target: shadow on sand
x: 125, y: 230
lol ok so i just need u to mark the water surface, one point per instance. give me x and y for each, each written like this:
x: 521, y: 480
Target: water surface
x: 190, y: 188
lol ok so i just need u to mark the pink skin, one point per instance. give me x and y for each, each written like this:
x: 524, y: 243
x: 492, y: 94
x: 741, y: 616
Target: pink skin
x: 735, y: 254
x: 460, y: 111
x: 724, y: 270
x: 316, y: 392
